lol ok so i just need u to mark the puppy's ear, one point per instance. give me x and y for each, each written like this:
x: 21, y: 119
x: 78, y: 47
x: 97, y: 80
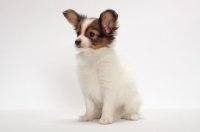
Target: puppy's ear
x: 108, y: 21
x: 73, y: 17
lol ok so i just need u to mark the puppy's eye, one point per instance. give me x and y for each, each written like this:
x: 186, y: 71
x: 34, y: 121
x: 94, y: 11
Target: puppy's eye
x: 91, y: 34
x: 78, y: 33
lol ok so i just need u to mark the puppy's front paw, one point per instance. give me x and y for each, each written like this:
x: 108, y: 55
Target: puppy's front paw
x: 85, y: 118
x: 105, y: 121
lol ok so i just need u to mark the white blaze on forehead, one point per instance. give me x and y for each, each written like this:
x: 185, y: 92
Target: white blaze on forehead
x: 85, y: 42
x: 85, y: 24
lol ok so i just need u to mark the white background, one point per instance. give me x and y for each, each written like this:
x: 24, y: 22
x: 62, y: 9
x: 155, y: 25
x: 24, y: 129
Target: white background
x: 160, y: 40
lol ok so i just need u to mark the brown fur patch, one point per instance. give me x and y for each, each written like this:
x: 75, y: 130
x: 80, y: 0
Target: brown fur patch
x: 99, y: 39
x: 78, y: 28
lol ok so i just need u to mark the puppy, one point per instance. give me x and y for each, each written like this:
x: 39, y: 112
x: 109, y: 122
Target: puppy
x: 108, y: 88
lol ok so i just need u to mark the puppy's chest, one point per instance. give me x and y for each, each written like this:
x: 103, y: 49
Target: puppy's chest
x: 90, y: 71
x: 90, y: 75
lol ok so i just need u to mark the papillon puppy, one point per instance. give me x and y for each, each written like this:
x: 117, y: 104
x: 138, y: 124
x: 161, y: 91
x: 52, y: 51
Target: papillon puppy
x: 108, y: 89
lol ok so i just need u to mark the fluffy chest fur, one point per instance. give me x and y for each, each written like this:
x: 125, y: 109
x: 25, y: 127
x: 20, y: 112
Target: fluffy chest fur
x: 93, y: 70
x: 100, y: 71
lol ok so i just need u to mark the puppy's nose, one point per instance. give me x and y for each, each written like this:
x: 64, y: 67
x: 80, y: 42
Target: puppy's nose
x: 78, y: 42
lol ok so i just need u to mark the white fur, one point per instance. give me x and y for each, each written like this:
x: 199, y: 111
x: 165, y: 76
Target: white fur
x: 108, y: 88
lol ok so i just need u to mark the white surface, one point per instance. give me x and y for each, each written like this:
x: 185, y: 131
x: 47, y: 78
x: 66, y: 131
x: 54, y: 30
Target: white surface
x: 159, y: 39
x: 152, y: 120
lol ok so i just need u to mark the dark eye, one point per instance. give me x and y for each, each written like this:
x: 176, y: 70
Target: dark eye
x: 91, y: 34
x: 78, y: 33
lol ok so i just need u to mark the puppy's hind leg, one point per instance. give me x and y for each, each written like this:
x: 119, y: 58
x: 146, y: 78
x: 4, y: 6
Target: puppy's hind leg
x: 131, y: 110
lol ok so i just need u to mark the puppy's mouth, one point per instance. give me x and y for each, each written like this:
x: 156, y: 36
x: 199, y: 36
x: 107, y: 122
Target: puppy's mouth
x: 79, y: 46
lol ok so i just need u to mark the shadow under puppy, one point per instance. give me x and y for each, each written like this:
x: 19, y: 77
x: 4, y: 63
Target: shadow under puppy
x: 108, y: 88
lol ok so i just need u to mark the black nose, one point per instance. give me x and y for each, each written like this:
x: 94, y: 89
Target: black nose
x: 78, y: 42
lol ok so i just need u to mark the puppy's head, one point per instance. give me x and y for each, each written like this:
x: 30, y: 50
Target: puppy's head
x: 93, y: 33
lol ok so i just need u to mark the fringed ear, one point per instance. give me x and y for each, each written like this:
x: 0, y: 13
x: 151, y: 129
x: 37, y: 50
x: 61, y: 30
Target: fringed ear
x: 108, y: 21
x: 73, y: 17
